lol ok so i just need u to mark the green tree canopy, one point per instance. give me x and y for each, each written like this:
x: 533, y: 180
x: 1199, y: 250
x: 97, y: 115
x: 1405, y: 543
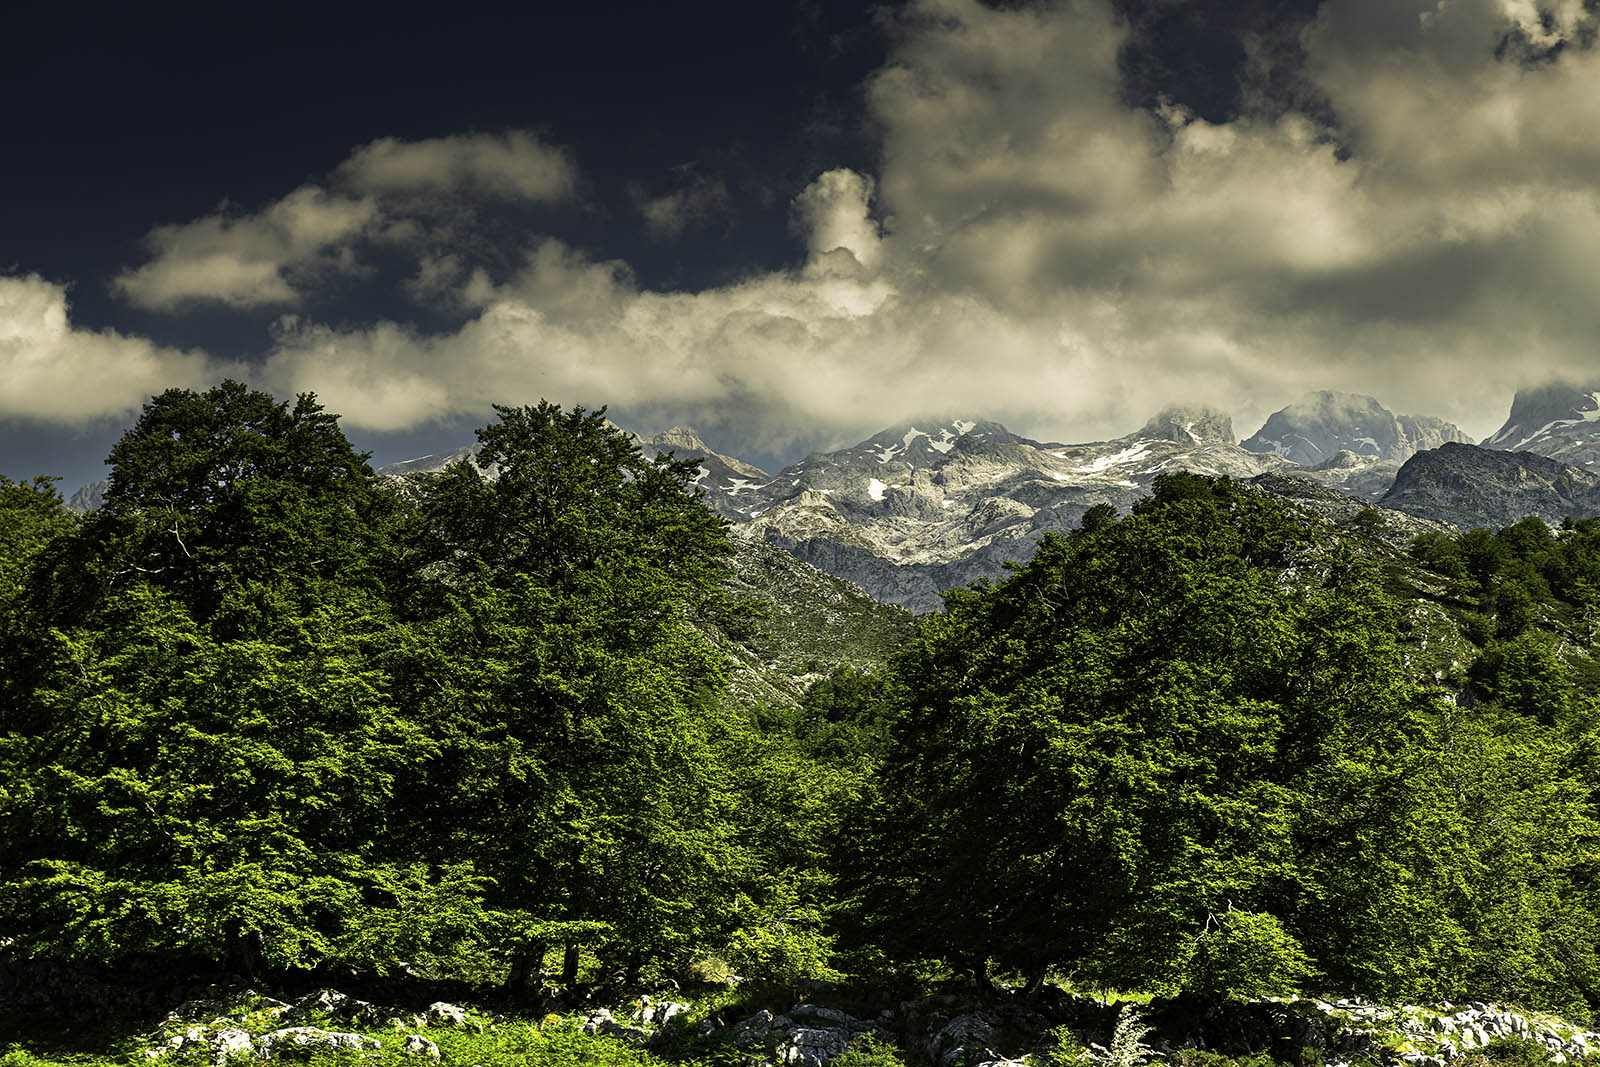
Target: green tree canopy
x: 1182, y: 750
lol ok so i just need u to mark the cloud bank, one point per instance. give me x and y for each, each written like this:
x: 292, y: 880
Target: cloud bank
x: 59, y: 373
x: 1032, y: 248
x: 273, y: 257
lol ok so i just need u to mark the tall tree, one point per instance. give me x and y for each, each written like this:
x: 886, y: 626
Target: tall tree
x: 213, y: 744
x: 584, y: 760
x: 1108, y: 762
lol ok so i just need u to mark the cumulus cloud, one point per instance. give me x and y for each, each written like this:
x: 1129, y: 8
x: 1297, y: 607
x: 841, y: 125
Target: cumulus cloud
x: 515, y: 165
x: 1035, y: 248
x: 272, y: 257
x: 57, y: 372
x: 248, y: 260
x: 833, y: 213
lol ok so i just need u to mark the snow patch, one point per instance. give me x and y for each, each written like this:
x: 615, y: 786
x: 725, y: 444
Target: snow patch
x: 875, y: 488
x: 736, y: 486
x: 704, y: 474
x: 887, y: 454
x: 1138, y: 450
x: 1539, y: 433
x: 1188, y: 428
x: 963, y: 426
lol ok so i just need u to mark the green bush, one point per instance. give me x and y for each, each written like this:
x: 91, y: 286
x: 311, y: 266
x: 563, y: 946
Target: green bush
x: 1246, y: 954
x: 870, y: 1050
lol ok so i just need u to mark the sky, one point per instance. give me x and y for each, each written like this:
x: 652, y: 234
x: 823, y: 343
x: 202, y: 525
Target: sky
x: 792, y: 225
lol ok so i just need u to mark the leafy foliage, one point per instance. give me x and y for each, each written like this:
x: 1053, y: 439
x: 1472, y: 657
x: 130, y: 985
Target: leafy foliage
x: 261, y: 711
x: 1183, y: 751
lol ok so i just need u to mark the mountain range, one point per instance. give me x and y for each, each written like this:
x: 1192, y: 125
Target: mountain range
x: 926, y: 505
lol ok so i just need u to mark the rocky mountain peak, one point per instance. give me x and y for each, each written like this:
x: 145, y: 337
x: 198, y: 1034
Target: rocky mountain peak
x: 1552, y: 409
x: 1327, y: 422
x: 1468, y: 485
x: 924, y: 441
x: 678, y: 438
x: 685, y: 443
x: 1190, y: 426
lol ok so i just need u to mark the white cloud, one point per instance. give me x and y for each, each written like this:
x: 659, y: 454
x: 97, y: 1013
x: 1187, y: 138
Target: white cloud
x: 247, y: 261
x: 833, y: 211
x: 57, y: 372
x: 1036, y: 249
x: 272, y: 257
x: 516, y: 165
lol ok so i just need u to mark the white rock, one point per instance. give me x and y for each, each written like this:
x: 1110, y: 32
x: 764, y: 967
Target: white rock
x: 230, y: 1042
x: 813, y: 1046
x: 443, y: 1014
x: 417, y: 1045
x: 310, y: 1037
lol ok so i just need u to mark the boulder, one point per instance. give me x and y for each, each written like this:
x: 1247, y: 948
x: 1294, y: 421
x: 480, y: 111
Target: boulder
x: 808, y: 1046
x: 230, y: 1042
x: 417, y: 1045
x: 650, y: 1013
x: 966, y: 1033
x: 311, y: 1037
x: 601, y: 1021
x: 448, y: 1015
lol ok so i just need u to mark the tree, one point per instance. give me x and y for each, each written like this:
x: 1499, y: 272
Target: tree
x: 215, y: 496
x: 584, y: 762
x: 1182, y: 751
x: 1097, y: 754
x: 213, y: 747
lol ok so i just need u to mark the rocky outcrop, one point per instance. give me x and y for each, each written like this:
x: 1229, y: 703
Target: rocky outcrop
x: 250, y: 1025
x: 1468, y: 486
x: 1394, y: 527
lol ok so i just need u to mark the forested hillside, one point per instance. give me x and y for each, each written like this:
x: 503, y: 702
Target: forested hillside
x: 266, y: 715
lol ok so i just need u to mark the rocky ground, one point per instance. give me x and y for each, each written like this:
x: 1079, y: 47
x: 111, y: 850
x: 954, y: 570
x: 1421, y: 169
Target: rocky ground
x: 946, y: 1030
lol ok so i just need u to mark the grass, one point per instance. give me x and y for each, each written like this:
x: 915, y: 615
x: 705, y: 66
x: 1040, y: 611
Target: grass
x: 512, y: 1043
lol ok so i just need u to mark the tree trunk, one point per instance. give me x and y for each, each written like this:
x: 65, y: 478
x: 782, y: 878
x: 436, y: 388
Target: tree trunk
x: 527, y: 966
x: 1035, y: 983
x: 569, y: 967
